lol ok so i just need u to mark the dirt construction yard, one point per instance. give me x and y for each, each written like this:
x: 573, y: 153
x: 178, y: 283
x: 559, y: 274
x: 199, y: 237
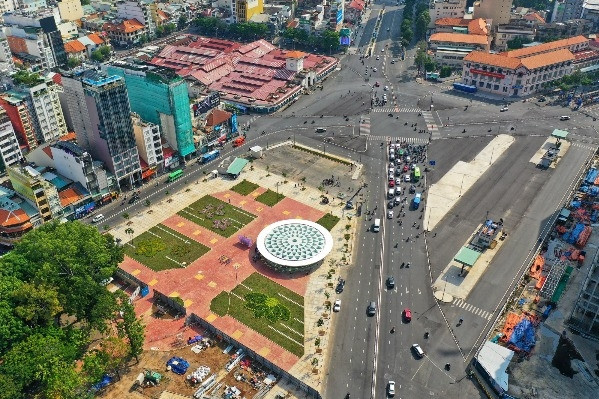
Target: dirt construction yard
x: 212, y: 357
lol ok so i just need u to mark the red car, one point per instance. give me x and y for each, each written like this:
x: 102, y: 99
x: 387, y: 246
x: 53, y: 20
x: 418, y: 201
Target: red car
x: 407, y: 315
x: 391, y: 183
x: 406, y: 168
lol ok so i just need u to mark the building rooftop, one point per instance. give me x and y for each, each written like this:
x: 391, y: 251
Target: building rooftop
x: 459, y: 38
x: 252, y: 72
x: 497, y: 60
x: 74, y: 46
x: 127, y: 26
x: 545, y: 47
x: 544, y: 59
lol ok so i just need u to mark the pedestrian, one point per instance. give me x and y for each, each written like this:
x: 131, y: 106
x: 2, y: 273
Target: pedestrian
x: 229, y: 200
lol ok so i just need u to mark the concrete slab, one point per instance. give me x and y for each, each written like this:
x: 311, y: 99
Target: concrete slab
x: 548, y: 144
x: 443, y: 195
x: 452, y: 283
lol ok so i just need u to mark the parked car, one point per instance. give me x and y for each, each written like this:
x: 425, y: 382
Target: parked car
x: 406, y: 168
x: 389, y: 214
x: 337, y: 305
x: 503, y: 109
x: 564, y: 118
x: 340, y: 286
x: 391, y: 182
x: 407, y: 178
x: 412, y: 189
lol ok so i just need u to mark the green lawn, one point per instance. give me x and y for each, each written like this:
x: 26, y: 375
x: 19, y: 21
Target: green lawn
x: 245, y: 187
x: 161, y: 248
x: 216, y: 215
x: 269, y: 198
x: 328, y: 221
x: 293, y: 339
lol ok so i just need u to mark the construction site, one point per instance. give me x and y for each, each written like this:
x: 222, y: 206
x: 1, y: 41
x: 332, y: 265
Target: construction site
x: 545, y: 344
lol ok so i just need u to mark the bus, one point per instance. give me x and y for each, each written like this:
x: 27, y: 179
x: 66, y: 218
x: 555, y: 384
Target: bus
x: 175, y: 175
x: 416, y: 173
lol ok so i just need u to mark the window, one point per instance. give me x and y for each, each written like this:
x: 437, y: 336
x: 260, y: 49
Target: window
x: 504, y: 89
x: 488, y: 85
x: 496, y: 87
x: 481, y: 84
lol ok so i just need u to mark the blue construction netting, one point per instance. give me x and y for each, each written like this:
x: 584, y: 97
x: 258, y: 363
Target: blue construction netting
x: 594, y: 191
x: 575, y: 204
x: 523, y: 336
x: 591, y: 176
x: 572, y: 236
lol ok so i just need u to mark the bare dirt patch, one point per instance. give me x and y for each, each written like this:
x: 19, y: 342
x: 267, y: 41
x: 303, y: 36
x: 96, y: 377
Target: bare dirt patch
x: 212, y: 357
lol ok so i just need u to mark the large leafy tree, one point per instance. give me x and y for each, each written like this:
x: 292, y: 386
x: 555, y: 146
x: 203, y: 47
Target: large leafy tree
x: 51, y: 299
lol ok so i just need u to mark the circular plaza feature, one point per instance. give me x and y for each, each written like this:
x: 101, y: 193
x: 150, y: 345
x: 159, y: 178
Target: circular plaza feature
x: 294, y: 245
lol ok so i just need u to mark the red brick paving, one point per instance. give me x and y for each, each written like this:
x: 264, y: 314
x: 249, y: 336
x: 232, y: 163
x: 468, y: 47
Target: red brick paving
x: 206, y: 277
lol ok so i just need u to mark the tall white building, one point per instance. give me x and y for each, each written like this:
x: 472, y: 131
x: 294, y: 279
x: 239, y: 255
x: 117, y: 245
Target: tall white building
x: 77, y: 164
x: 6, y: 6
x: 143, y: 11
x: 70, y: 10
x: 149, y: 144
x: 44, y: 106
x: 446, y: 9
x: 10, y: 152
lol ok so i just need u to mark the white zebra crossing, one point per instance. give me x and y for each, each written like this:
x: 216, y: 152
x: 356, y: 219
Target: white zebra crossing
x: 472, y: 309
x: 364, y: 125
x: 432, y: 127
x: 409, y: 140
x: 396, y: 109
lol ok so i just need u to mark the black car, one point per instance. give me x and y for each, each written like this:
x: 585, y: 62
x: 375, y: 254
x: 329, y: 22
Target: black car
x: 390, y: 204
x: 390, y: 282
x: 340, y: 286
x: 412, y: 189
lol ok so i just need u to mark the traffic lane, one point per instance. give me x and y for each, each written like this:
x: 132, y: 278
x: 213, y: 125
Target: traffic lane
x: 542, y: 210
x: 504, y: 191
x: 356, y: 332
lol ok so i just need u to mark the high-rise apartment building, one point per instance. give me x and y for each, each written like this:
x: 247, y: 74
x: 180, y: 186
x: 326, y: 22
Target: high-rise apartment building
x: 17, y: 111
x: 99, y: 108
x: 36, y: 34
x: 244, y: 10
x: 7, y: 64
x: 10, y: 152
x: 169, y: 106
x: 44, y: 106
x: 149, y: 145
x: 498, y: 11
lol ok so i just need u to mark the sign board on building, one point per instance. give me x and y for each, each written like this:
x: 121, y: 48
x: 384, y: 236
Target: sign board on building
x: 487, y: 73
x: 211, y: 101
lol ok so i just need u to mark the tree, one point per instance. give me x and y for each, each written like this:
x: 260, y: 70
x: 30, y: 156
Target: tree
x: 421, y: 56
x: 182, y: 22
x: 517, y: 42
x: 445, y: 72
x: 26, y: 78
x: 101, y: 54
x: 73, y: 62
x: 36, y: 305
x: 422, y: 22
x: 329, y: 40
x: 131, y: 327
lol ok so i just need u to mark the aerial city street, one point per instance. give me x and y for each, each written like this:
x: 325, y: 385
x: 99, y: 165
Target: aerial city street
x: 340, y: 199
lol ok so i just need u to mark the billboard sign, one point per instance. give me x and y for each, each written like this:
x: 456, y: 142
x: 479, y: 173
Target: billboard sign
x: 211, y: 101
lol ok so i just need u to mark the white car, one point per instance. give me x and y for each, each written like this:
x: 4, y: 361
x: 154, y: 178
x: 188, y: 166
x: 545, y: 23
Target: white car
x: 503, y: 109
x: 418, y: 350
x: 337, y: 305
x: 393, y: 61
x: 382, y: 50
x: 378, y: 58
x: 406, y: 178
x: 386, y: 88
x: 373, y: 69
x: 398, y: 181
x: 389, y: 214
x: 564, y: 118
x: 391, y: 388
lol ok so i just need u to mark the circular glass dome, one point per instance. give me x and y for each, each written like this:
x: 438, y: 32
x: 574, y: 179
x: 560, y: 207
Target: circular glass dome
x: 294, y: 243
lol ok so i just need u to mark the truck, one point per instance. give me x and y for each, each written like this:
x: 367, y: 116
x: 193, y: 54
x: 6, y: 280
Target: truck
x: 238, y: 141
x: 209, y: 156
x: 416, y: 200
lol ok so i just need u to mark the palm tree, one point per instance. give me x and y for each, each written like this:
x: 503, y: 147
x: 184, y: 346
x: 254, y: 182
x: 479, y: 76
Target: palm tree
x: 129, y: 231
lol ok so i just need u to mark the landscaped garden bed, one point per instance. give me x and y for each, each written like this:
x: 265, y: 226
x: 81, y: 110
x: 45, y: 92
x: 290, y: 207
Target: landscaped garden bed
x: 216, y: 215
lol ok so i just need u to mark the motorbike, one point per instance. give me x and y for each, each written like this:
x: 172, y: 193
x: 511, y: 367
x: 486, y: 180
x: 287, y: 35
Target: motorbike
x: 426, y: 335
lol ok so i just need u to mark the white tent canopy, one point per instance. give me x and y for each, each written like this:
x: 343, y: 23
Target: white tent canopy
x: 495, y: 359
